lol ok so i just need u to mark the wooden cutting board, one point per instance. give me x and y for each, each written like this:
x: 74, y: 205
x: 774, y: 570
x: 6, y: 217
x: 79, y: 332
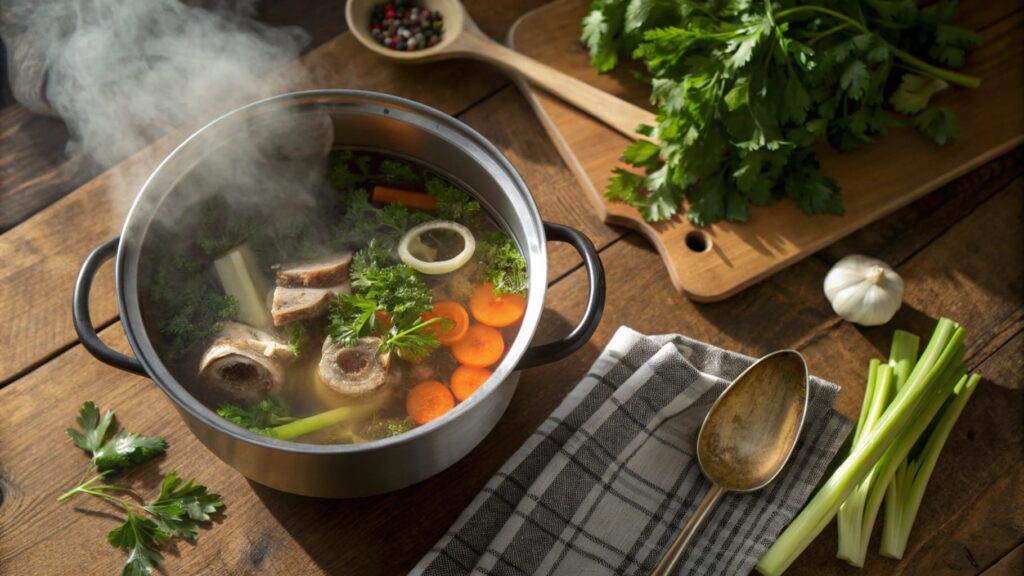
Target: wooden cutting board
x: 714, y: 263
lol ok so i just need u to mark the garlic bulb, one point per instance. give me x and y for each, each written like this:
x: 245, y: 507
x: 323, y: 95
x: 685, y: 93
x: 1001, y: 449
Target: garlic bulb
x: 864, y: 290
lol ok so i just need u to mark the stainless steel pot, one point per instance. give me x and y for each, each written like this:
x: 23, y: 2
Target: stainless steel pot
x: 373, y: 121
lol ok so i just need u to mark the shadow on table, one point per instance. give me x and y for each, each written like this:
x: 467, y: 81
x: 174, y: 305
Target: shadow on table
x: 389, y: 533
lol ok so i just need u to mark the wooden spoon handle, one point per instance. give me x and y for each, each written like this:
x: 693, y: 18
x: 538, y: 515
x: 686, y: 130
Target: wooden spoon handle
x: 667, y: 565
x: 615, y: 112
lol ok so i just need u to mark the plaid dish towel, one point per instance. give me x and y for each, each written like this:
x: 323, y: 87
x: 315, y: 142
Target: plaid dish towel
x: 609, y: 479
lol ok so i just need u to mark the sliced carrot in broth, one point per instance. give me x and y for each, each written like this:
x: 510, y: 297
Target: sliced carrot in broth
x: 481, y: 347
x: 412, y: 200
x: 454, y: 313
x: 428, y: 400
x: 498, y: 310
x: 466, y: 380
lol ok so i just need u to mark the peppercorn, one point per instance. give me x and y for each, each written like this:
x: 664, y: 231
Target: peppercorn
x: 405, y: 26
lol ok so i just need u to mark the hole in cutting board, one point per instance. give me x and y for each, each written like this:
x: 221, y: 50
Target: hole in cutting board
x: 697, y: 241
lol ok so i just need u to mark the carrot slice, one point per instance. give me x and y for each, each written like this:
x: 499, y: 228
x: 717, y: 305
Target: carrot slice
x: 383, y: 320
x: 466, y: 379
x: 413, y: 200
x: 480, y: 347
x: 496, y: 310
x: 428, y: 400
x: 452, y: 311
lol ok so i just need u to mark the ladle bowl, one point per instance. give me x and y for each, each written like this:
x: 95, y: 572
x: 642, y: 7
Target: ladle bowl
x: 747, y: 437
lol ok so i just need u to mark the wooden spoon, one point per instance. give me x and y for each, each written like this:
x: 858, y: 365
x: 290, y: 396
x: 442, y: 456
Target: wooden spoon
x: 462, y: 39
x: 747, y: 437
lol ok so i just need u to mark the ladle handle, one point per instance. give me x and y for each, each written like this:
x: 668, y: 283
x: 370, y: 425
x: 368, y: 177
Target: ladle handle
x: 611, y: 110
x: 670, y: 559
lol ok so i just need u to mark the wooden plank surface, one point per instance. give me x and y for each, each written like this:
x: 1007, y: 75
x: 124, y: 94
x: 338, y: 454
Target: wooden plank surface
x: 958, y: 249
x: 904, y: 165
x: 269, y: 532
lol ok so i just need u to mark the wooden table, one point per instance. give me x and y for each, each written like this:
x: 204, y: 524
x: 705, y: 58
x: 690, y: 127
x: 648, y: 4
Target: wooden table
x: 959, y: 250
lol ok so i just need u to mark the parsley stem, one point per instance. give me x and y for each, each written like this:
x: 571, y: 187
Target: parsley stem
x: 80, y: 488
x: 921, y: 65
x: 828, y: 32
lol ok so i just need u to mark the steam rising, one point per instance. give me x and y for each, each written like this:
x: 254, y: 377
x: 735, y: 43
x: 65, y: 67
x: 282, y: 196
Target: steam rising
x: 123, y: 72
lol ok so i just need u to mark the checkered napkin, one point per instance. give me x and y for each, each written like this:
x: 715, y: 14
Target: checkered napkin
x: 608, y: 480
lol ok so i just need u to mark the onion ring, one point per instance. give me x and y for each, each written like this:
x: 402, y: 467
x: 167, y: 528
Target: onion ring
x: 443, y: 266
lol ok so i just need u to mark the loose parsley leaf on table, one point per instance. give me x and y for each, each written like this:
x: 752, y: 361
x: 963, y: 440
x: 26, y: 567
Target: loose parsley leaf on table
x: 139, y: 536
x: 122, y: 451
x: 745, y: 90
x: 175, y: 513
x: 181, y: 505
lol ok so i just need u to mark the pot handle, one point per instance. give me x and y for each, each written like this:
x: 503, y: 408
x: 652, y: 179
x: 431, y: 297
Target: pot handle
x: 82, y: 319
x: 552, y: 351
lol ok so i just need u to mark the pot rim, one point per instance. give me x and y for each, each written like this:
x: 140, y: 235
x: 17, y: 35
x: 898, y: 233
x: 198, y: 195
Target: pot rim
x: 443, y: 125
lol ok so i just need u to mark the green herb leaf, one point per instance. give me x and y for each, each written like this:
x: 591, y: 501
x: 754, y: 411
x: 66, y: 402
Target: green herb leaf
x: 396, y: 289
x: 363, y: 220
x: 351, y: 317
x: 298, y: 337
x: 94, y: 429
x: 600, y: 33
x: 181, y: 505
x: 453, y: 203
x: 259, y: 417
x: 128, y: 449
x: 914, y: 93
x: 139, y: 536
x: 111, y: 454
x: 398, y: 172
x: 506, y: 267
x: 939, y: 124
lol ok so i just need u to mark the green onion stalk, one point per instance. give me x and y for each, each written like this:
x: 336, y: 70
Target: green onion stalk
x: 925, y: 387
x: 310, y: 424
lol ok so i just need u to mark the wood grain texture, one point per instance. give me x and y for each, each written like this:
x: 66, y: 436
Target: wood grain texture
x: 904, y: 166
x: 47, y: 249
x: 1010, y: 565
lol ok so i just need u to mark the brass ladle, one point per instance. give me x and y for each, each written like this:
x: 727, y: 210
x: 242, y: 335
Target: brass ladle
x: 463, y: 39
x: 747, y: 437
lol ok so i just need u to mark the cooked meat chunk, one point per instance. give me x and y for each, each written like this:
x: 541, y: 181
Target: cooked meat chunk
x: 321, y: 273
x: 293, y: 304
x: 244, y: 363
x: 356, y: 371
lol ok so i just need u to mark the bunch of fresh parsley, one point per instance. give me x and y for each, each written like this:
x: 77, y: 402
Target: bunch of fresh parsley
x: 176, y: 511
x: 745, y: 88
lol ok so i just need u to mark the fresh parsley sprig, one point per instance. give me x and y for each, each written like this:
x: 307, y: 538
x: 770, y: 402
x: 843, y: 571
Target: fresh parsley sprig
x: 176, y: 512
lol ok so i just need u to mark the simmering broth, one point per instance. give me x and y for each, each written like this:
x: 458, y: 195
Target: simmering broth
x: 371, y: 302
